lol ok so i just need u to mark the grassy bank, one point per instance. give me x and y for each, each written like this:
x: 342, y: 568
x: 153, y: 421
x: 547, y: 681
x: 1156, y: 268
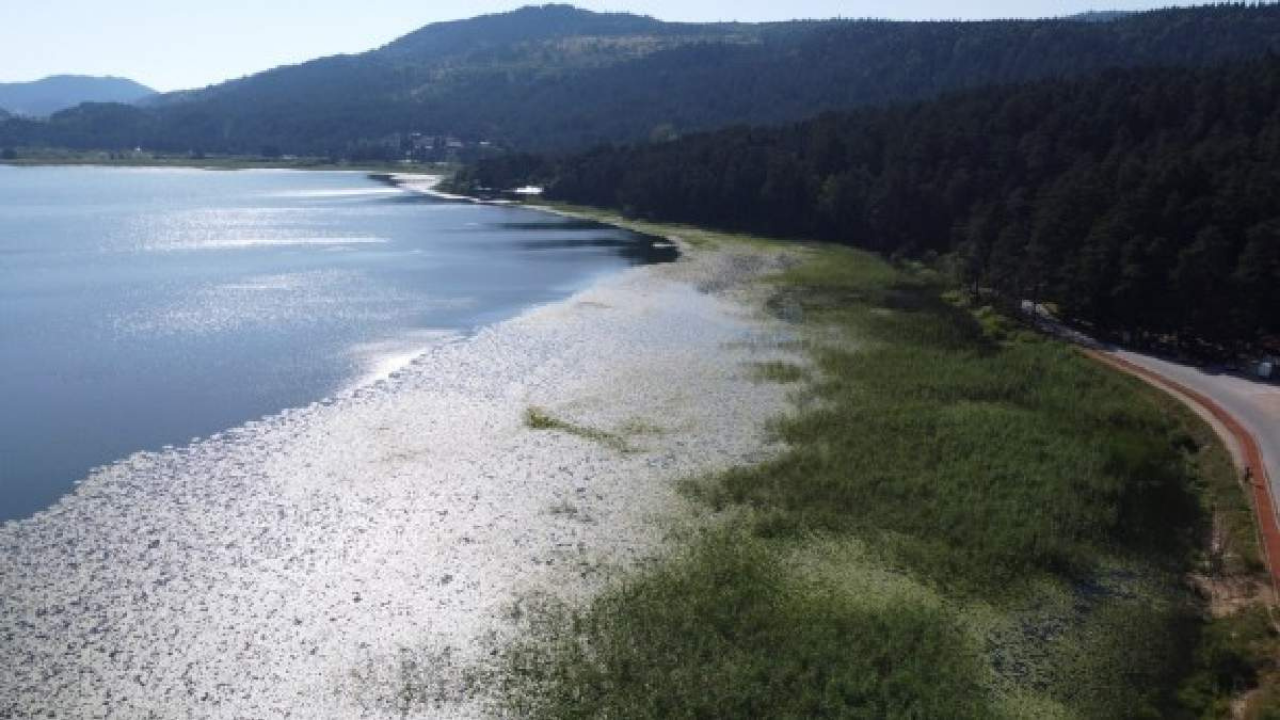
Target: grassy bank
x: 970, y: 521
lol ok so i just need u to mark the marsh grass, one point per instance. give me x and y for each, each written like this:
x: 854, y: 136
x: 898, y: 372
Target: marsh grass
x: 983, y: 453
x: 1236, y: 535
x: 1233, y: 653
x: 635, y: 427
x: 974, y: 522
x: 778, y: 371
x: 539, y: 419
x: 719, y: 632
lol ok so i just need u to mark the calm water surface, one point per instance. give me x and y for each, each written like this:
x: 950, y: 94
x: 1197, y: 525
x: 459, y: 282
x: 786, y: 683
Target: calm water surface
x: 140, y: 308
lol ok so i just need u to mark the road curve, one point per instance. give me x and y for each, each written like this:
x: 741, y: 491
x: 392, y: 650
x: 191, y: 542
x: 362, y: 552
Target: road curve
x: 1255, y: 405
x: 1246, y: 409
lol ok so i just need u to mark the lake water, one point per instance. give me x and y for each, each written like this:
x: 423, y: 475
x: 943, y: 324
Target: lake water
x: 141, y: 308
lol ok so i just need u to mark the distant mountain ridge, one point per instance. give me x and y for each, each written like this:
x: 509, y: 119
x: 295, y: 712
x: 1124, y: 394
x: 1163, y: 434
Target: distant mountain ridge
x: 530, y: 24
x: 559, y: 78
x: 59, y: 92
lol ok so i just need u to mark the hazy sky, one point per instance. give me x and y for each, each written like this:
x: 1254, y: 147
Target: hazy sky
x: 173, y: 44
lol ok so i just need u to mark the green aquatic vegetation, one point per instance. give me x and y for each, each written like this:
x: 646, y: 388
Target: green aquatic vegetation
x: 538, y: 419
x: 779, y: 372
x: 984, y: 461
x: 973, y: 522
x: 721, y: 632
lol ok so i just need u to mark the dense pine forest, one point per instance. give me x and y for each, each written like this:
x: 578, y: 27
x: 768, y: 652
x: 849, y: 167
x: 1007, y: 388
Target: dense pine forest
x: 556, y: 78
x: 1143, y: 200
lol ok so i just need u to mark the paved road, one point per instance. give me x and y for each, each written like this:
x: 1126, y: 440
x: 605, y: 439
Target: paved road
x: 1256, y: 405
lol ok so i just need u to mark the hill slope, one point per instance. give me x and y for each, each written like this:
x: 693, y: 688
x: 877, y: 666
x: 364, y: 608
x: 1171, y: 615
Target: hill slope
x: 555, y: 77
x: 1142, y: 199
x: 59, y: 92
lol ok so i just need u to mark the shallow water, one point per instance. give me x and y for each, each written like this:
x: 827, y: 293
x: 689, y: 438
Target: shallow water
x: 140, y: 308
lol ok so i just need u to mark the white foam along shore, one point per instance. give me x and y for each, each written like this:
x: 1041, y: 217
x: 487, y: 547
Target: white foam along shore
x: 429, y: 185
x: 352, y: 558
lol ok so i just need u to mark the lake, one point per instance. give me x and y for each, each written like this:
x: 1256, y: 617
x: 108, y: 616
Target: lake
x: 141, y: 308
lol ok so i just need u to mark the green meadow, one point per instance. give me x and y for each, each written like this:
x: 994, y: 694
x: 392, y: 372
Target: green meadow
x: 969, y: 520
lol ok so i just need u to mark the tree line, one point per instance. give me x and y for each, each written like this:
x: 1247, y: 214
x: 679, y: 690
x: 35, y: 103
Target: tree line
x: 561, y: 79
x: 1145, y: 200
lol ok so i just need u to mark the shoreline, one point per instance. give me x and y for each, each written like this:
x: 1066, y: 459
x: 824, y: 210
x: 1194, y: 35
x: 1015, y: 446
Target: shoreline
x: 353, y: 354
x: 572, y: 495
x: 302, y: 562
x: 216, y: 164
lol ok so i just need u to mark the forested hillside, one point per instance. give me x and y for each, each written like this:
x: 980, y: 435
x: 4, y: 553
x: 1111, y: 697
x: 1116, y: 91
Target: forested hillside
x: 558, y: 78
x: 1146, y: 199
x: 59, y: 92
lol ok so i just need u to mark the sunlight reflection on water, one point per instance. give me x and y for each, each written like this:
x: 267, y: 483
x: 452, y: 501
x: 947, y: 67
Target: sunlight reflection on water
x: 143, y: 307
